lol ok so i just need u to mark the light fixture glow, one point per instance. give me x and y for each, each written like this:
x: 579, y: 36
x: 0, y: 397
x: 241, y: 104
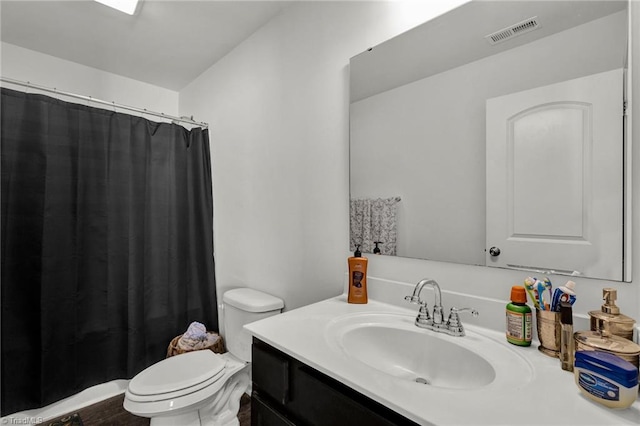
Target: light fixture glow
x: 126, y: 6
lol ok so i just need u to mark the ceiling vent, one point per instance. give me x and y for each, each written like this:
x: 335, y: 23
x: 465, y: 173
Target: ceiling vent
x: 513, y: 30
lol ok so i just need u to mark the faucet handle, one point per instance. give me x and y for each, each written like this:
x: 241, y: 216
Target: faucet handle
x: 413, y: 299
x: 454, y: 317
x: 453, y: 323
x: 423, y: 317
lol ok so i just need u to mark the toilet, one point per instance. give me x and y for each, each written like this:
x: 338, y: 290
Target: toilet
x: 202, y: 387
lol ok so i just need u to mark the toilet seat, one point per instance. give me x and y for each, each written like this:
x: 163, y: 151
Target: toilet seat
x: 177, y: 376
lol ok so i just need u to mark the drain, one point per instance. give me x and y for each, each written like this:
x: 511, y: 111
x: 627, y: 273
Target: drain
x: 422, y: 381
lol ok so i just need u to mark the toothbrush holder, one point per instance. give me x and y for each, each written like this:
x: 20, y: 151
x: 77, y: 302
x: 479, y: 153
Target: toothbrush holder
x: 549, y: 331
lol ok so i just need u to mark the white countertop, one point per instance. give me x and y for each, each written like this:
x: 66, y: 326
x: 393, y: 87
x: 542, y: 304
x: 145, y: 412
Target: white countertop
x: 549, y: 398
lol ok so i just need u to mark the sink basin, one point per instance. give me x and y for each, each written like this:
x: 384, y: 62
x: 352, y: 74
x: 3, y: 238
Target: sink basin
x: 391, y: 344
x: 424, y: 358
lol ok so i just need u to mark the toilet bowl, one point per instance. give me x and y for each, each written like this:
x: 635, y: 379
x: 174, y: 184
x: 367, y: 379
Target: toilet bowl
x: 202, y: 387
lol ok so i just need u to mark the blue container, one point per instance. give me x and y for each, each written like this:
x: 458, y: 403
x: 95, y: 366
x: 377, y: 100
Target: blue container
x: 606, y: 378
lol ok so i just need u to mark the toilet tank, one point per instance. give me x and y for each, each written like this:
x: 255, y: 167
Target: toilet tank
x: 242, y: 306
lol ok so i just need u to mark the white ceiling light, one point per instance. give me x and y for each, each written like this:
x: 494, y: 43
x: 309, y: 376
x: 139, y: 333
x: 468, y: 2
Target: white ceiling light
x: 126, y: 6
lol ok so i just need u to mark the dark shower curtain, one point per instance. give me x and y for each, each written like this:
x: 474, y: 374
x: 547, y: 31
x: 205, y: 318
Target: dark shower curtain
x: 107, y: 245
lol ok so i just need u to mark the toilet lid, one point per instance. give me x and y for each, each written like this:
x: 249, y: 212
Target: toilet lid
x: 177, y: 373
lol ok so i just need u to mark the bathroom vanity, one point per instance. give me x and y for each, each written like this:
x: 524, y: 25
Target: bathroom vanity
x: 333, y: 363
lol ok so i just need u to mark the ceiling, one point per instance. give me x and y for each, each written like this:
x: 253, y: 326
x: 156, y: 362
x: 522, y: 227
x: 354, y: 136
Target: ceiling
x: 167, y: 43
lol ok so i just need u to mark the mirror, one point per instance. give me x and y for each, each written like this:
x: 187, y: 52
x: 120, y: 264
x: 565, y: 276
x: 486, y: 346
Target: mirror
x: 421, y: 136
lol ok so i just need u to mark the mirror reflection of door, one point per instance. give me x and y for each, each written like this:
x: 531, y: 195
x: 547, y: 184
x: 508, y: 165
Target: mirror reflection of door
x: 554, y: 193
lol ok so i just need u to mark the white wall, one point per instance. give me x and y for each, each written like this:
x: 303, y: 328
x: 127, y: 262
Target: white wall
x: 278, y: 109
x: 278, y: 112
x: 45, y: 70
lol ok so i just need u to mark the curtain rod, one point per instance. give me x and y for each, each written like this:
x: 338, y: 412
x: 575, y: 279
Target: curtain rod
x: 99, y: 101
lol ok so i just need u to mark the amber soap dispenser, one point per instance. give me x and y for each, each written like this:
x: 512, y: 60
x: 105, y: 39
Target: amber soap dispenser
x: 357, y: 277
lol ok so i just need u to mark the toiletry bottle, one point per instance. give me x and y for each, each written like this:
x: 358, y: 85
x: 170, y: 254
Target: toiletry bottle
x: 619, y: 324
x: 565, y: 293
x: 606, y: 378
x: 566, y: 336
x: 518, y: 318
x: 376, y: 249
x: 357, y: 278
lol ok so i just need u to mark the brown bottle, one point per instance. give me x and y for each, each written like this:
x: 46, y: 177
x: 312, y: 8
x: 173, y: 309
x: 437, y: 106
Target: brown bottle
x: 618, y: 324
x: 357, y: 278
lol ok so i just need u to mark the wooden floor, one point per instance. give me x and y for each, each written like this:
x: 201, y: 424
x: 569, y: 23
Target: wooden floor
x: 111, y: 412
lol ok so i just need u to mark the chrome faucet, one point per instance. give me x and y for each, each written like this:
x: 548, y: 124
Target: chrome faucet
x: 435, y: 322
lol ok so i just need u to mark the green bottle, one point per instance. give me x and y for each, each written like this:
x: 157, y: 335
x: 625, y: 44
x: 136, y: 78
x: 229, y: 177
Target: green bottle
x: 518, y: 318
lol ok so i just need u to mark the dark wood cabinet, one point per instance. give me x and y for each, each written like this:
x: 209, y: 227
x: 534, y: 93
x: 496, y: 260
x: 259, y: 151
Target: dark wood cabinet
x: 289, y: 392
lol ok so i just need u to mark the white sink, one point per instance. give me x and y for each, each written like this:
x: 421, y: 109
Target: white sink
x: 393, y: 345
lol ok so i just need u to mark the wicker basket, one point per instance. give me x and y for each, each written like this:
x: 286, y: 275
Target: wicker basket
x: 173, y: 349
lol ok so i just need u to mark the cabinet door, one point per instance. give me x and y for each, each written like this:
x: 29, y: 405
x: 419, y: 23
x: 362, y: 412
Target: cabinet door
x: 317, y: 399
x: 263, y: 415
x: 270, y: 372
x: 554, y: 177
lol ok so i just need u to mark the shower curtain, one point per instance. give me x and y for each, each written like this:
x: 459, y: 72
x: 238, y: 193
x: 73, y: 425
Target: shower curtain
x: 107, y: 245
